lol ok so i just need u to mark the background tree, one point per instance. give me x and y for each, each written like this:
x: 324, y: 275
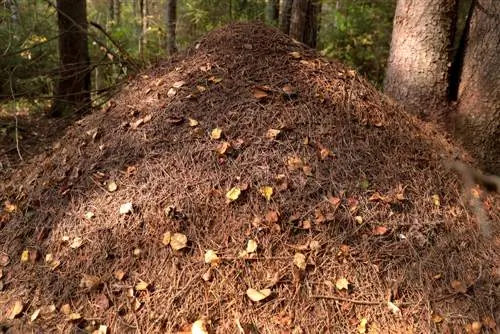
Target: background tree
x: 171, y: 26
x: 304, y: 21
x: 418, y: 66
x: 478, y: 108
x: 272, y: 10
x: 285, y: 16
x: 73, y: 88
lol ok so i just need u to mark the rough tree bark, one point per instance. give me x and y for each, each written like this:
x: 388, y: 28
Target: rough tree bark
x: 285, y: 16
x: 73, y: 88
x: 478, y: 108
x: 304, y: 21
x: 171, y: 26
x: 273, y: 9
x: 418, y: 66
x: 143, y: 8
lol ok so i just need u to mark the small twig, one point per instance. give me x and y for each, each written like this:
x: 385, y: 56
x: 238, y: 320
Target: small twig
x: 354, y: 301
x: 17, y: 140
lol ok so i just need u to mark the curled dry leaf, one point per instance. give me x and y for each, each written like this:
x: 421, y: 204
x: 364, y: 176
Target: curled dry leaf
x: 259, y: 94
x: 179, y: 84
x: 89, y: 215
x: 258, y: 295
x: 171, y: 92
x: 358, y: 219
x: 267, y: 192
x: 66, y: 309
x: 295, y: 54
x: 342, y: 284
x: 325, y: 153
x: 379, y: 230
x: 141, y: 286
x: 119, y: 274
x: 35, y: 314
x: 193, y: 122
x: 90, y: 281
x: 167, y: 236
x: 112, y: 186
x: 16, y: 309
x: 458, y: 286
x: 74, y: 317
x: 200, y: 326
x: 126, y: 208
x: 393, y: 308
x: 272, y: 133
x: 233, y: 194
x: 251, y: 246
x: 216, y: 133
x: 9, y: 207
x: 214, y: 79
x: 211, y: 257
x: 295, y: 163
x: 223, y: 148
x: 299, y: 260
x: 178, y: 241
x: 76, y: 243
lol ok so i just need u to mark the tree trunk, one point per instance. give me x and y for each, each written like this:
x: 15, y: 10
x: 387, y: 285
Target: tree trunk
x: 418, y: 65
x: 478, y: 109
x: 171, y: 26
x: 304, y: 21
x: 285, y: 16
x: 273, y: 8
x: 73, y: 88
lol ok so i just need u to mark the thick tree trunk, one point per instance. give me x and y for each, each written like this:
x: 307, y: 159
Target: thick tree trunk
x: 418, y: 65
x: 143, y: 8
x: 171, y: 26
x: 304, y: 21
x: 273, y: 9
x: 478, y: 109
x: 114, y: 10
x: 285, y: 15
x: 73, y: 88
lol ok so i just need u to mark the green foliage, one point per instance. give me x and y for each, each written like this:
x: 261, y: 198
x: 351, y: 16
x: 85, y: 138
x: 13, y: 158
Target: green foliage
x: 358, y: 32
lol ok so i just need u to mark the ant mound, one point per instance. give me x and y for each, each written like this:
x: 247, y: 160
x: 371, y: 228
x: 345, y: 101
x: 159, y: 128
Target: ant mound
x: 247, y: 185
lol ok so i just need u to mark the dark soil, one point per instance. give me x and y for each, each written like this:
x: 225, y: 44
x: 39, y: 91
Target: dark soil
x: 372, y: 203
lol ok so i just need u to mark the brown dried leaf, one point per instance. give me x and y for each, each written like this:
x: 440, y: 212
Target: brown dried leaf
x: 178, y: 241
x: 458, y: 286
x: 379, y: 230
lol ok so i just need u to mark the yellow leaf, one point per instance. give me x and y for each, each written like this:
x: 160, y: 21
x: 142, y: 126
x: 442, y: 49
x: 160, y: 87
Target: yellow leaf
x: 141, y: 286
x: 342, y: 284
x: 9, y: 207
x: 273, y: 133
x: 436, y: 200
x: 223, y: 148
x: 193, y: 122
x: 299, y: 260
x: 35, y: 314
x: 77, y: 242
x: 103, y: 329
x: 258, y: 295
x: 251, y: 246
x: 54, y: 264
x: 66, y: 309
x: 16, y: 309
x: 211, y: 257
x: 74, y: 316
x: 233, y: 194
x: 199, y: 327
x: 358, y: 219
x: 362, y: 326
x: 112, y: 186
x: 216, y: 133
x: 25, y: 256
x: 178, y: 241
x: 295, y: 55
x: 119, y: 274
x: 314, y: 245
x: 167, y: 236
x: 267, y: 192
x: 89, y: 215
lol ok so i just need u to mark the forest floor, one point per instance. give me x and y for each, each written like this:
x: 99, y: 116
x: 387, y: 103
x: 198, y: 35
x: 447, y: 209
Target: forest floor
x: 246, y: 186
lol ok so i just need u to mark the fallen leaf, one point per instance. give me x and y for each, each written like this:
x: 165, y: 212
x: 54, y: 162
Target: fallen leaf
x: 193, y: 122
x: 179, y: 84
x: 16, y: 309
x: 295, y: 163
x: 119, y: 274
x: 251, y: 246
x: 167, y: 236
x: 376, y: 197
x: 178, y: 241
x: 259, y: 94
x: 201, y: 89
x: 295, y: 54
x: 136, y: 304
x: 352, y: 203
x: 325, y: 153
x: 458, y: 286
x: 9, y: 207
x: 103, y: 329
x: 102, y: 302
x: 436, y: 318
x: 90, y: 281
x: 4, y: 260
x: 289, y: 91
x: 141, y: 286
x: 299, y: 260
x: 76, y: 243
x: 216, y: 133
x: 233, y: 194
x: 214, y: 79
x: 66, y: 309
x: 272, y: 216
x: 112, y: 186
x: 126, y: 208
x: 314, y: 245
x: 74, y: 317
x: 474, y: 328
x: 89, y: 215
x: 436, y: 200
x: 25, y: 255
x: 199, y: 327
x: 358, y: 219
x: 258, y: 295
x: 267, y: 192
x: 272, y: 133
x: 393, y: 308
x: 362, y: 326
x: 223, y: 148
x: 345, y: 249
x: 35, y: 314
x: 137, y: 251
x: 211, y: 257
x: 489, y: 322
x: 54, y: 264
x: 379, y: 230
x: 207, y: 276
x: 307, y: 170
x: 342, y: 284
x: 364, y: 184
x: 171, y: 92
